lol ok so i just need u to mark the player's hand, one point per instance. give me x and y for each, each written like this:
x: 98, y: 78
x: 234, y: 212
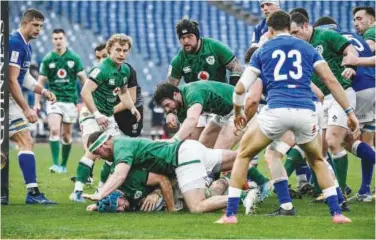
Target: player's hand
x: 101, y: 119
x: 172, y: 120
x: 353, y: 124
x: 348, y: 73
x: 240, y: 122
x: 136, y: 113
x: 92, y: 197
x: 149, y: 203
x: 50, y: 96
x: 31, y: 115
x: 91, y: 207
x: 350, y: 60
x: 37, y: 107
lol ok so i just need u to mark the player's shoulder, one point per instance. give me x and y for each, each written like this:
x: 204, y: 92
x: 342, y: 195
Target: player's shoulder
x: 48, y: 57
x: 178, y: 58
x: 72, y: 54
x: 260, y: 25
x: 16, y: 40
x: 212, y: 42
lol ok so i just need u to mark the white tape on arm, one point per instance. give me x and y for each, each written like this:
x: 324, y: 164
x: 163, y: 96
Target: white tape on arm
x: 248, y: 77
x: 238, y: 99
x: 29, y: 81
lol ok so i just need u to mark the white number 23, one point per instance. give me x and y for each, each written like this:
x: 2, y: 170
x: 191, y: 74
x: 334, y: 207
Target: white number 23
x: 282, y: 58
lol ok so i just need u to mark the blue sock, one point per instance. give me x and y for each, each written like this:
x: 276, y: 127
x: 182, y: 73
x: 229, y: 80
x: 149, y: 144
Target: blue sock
x: 367, y: 172
x: 365, y: 152
x: 301, y: 169
x: 233, y: 201
x: 281, y: 188
x: 332, y: 202
x: 26, y: 160
x: 340, y: 196
x: 308, y: 173
x: 331, y: 199
x: 367, y: 156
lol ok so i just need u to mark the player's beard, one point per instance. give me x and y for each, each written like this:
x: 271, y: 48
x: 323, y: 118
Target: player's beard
x: 192, y: 49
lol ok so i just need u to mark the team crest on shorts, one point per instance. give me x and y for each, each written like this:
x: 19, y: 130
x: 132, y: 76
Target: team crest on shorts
x: 116, y: 91
x: 70, y: 64
x: 203, y: 75
x: 210, y: 60
x: 137, y: 194
x: 320, y: 49
x: 61, y: 73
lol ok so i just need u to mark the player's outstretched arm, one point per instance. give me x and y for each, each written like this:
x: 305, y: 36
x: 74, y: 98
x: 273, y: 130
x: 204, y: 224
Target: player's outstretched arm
x: 173, y: 81
x: 166, y: 188
x: 253, y: 99
x: 193, y: 115
x: 319, y: 94
x: 327, y: 77
x: 113, y: 182
x: 350, y: 70
x: 128, y: 103
x: 359, y: 61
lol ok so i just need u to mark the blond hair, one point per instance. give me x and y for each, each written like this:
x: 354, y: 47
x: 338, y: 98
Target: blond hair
x: 121, y: 38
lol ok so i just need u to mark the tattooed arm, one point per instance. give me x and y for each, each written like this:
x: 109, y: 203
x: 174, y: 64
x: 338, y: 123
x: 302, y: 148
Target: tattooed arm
x: 173, y: 81
x: 236, y: 69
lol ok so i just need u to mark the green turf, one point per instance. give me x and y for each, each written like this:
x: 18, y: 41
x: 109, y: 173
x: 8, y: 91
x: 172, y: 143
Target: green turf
x: 70, y: 220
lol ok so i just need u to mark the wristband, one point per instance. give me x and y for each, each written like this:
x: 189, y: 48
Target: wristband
x: 238, y: 99
x: 349, y: 110
x: 176, y: 138
x: 97, y: 114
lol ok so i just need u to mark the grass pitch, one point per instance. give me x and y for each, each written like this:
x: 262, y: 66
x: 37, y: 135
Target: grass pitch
x: 70, y: 220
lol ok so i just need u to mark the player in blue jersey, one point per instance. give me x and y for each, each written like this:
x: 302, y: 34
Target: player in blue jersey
x: 287, y: 64
x: 260, y: 32
x: 20, y: 113
x: 364, y: 85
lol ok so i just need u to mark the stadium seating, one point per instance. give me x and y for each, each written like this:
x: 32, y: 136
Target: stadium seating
x: 152, y: 27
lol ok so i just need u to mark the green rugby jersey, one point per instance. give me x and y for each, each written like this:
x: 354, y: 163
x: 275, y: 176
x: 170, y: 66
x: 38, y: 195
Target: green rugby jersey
x: 209, y: 63
x: 61, y: 72
x: 215, y: 97
x: 330, y: 44
x: 110, y: 80
x: 370, y: 34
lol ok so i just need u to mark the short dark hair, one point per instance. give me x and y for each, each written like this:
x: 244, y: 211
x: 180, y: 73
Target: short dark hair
x: 298, y: 18
x: 248, y: 54
x: 100, y: 47
x: 164, y: 91
x: 369, y: 10
x: 58, y: 30
x: 279, y: 20
x: 93, y: 137
x: 31, y: 14
x: 300, y: 10
x: 186, y: 26
x: 324, y: 21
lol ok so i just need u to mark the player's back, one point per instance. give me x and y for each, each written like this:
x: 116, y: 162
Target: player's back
x: 287, y: 64
x: 19, y: 54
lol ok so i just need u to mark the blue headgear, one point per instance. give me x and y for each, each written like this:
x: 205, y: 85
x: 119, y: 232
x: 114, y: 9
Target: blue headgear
x: 109, y: 203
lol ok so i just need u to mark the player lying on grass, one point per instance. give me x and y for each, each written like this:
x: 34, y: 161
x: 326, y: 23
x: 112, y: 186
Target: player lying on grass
x: 141, y: 190
x: 189, y: 160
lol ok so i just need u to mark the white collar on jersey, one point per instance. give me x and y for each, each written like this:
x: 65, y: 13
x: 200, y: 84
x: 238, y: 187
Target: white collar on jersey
x: 18, y: 30
x: 283, y: 34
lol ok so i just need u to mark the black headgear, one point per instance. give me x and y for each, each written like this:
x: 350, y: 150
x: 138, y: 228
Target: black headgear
x: 186, y: 26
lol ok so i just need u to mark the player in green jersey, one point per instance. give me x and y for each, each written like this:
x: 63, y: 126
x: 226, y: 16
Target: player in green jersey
x: 60, y: 68
x: 142, y: 190
x: 333, y: 47
x: 364, y: 23
x: 201, y: 59
x: 107, y: 81
x: 189, y: 160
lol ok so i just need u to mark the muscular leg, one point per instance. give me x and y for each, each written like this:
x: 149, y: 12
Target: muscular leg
x: 66, y: 143
x: 54, y: 123
x: 198, y: 203
x: 334, y: 137
x: 209, y: 134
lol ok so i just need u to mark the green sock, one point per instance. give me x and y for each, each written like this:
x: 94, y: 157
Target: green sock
x: 83, y: 169
x: 315, y: 183
x: 293, y: 160
x: 65, y: 150
x: 341, y: 164
x: 54, y: 145
x: 256, y: 176
x: 105, y: 171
